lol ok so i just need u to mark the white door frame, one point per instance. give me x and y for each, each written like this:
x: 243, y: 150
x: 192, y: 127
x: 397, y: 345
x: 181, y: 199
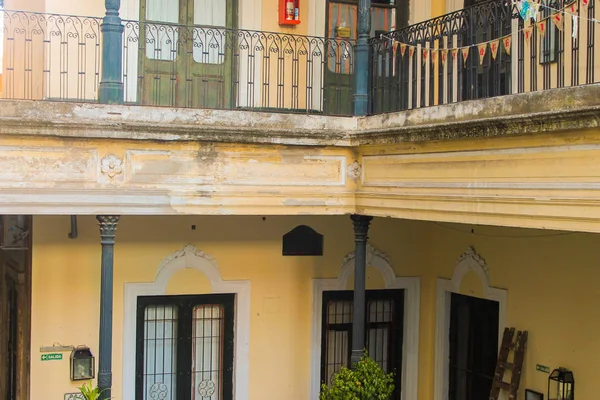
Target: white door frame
x: 189, y: 257
x: 412, y: 298
x: 469, y: 261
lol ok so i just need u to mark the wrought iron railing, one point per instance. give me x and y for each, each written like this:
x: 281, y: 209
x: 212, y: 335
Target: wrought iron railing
x: 208, y: 67
x: 49, y: 56
x: 423, y: 64
x: 57, y: 57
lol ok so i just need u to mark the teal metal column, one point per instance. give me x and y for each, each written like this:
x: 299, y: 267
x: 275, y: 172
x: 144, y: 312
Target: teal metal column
x: 108, y: 229
x: 361, y: 65
x: 111, y: 84
x: 361, y: 229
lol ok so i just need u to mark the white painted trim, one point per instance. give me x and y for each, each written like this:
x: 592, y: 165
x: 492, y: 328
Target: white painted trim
x: 189, y: 257
x: 454, y: 5
x: 412, y: 304
x: 250, y: 14
x: 469, y: 261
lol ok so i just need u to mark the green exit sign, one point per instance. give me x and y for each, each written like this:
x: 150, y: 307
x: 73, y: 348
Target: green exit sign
x: 52, y: 357
x: 542, y: 368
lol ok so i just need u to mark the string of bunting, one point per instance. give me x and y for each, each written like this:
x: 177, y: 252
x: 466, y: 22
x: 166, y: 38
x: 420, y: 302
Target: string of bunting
x: 528, y: 10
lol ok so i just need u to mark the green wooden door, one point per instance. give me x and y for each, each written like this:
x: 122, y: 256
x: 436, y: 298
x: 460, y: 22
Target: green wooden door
x: 186, y: 52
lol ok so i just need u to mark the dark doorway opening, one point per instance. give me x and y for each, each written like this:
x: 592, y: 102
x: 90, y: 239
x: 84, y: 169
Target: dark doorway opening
x: 473, y: 347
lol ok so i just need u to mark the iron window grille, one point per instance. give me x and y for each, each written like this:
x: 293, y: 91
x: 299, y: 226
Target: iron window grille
x: 384, y: 324
x: 185, y: 347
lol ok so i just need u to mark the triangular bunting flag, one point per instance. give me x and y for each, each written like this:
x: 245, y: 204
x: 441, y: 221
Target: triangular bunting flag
x: 507, y: 41
x: 541, y: 26
x: 411, y: 51
x: 465, y: 54
x: 454, y: 54
x: 494, y: 47
x: 444, y: 57
x: 528, y: 32
x: 395, y: 48
x: 481, y: 48
x: 425, y: 54
x: 402, y: 49
x: 433, y: 56
x: 558, y: 20
x: 572, y: 8
x: 585, y: 3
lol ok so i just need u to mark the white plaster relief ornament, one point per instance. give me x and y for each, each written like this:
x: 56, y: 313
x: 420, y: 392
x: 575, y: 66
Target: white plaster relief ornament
x: 111, y: 165
x: 354, y: 171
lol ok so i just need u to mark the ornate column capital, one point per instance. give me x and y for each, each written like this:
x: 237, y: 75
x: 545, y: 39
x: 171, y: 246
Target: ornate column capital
x: 108, y: 226
x: 361, y: 226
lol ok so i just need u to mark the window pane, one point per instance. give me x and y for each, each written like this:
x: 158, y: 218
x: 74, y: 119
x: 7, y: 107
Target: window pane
x: 210, y: 12
x: 207, y: 348
x: 160, y: 352
x: 337, y: 352
x: 380, y: 311
x: 161, y: 42
x: 340, y: 312
x: 162, y: 11
x: 209, y: 45
x: 378, y: 346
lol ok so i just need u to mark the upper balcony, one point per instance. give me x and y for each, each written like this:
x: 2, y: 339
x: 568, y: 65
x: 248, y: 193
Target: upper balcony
x: 482, y: 51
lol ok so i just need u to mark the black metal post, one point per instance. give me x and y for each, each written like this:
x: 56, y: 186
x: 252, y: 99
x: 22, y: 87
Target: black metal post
x: 108, y: 229
x: 361, y: 229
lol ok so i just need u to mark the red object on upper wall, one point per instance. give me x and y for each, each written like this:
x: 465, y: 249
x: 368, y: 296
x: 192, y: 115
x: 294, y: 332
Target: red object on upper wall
x: 289, y: 12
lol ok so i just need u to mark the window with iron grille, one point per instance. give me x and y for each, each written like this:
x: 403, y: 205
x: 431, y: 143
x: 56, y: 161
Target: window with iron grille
x: 185, y: 347
x: 384, y: 324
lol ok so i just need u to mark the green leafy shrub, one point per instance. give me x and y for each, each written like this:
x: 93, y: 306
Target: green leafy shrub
x: 367, y: 381
x: 89, y: 392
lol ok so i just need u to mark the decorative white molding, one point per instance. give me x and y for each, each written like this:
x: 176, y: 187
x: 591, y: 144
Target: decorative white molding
x: 189, y: 257
x: 111, y: 165
x: 469, y: 261
x: 412, y: 304
x: 354, y: 171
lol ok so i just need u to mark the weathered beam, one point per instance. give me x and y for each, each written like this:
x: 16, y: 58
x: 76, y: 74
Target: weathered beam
x: 108, y: 229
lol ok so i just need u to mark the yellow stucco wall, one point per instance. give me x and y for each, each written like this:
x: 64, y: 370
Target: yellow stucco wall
x: 551, y: 280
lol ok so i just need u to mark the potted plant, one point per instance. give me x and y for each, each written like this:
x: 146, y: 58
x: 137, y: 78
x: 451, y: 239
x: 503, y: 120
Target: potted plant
x: 90, y: 392
x: 366, y: 381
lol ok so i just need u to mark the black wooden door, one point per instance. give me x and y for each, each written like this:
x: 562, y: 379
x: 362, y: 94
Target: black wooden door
x: 473, y: 347
x: 185, y: 347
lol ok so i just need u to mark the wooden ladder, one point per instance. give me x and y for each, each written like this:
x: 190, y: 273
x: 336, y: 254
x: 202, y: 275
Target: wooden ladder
x: 518, y: 348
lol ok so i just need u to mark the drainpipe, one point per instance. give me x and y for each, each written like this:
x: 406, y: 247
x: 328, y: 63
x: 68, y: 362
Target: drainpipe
x: 108, y: 229
x: 361, y: 72
x: 73, y: 234
x: 111, y: 84
x: 361, y: 229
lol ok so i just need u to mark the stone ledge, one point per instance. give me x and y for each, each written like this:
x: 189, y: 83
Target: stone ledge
x: 100, y: 121
x: 553, y: 110
x: 556, y: 110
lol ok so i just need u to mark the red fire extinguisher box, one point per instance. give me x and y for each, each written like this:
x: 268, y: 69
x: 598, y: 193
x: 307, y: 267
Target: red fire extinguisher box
x: 289, y: 12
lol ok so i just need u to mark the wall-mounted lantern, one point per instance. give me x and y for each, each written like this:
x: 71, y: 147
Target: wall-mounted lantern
x: 561, y: 385
x: 83, y: 365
